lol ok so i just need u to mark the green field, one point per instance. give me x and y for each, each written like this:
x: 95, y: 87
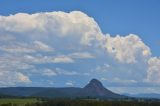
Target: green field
x: 74, y: 102
x: 18, y: 101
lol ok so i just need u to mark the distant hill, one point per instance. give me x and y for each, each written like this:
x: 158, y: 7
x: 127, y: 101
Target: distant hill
x: 93, y: 89
x: 68, y: 92
x: 21, y: 91
x: 145, y: 95
x: 5, y: 96
x: 96, y: 89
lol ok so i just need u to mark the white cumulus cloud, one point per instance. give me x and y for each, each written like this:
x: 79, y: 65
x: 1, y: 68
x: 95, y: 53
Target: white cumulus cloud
x: 48, y: 39
x: 49, y: 72
x: 153, y: 72
x: 128, y: 49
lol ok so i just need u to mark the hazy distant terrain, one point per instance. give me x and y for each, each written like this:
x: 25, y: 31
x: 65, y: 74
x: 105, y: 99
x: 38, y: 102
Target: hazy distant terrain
x: 144, y: 95
x: 93, y: 89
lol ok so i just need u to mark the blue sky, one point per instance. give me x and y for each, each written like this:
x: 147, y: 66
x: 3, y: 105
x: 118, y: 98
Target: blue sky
x: 66, y: 43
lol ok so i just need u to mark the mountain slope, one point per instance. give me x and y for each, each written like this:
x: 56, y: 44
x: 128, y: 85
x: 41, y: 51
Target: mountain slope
x: 58, y: 92
x: 22, y: 91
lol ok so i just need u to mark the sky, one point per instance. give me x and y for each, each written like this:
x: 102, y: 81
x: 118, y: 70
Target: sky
x: 67, y: 43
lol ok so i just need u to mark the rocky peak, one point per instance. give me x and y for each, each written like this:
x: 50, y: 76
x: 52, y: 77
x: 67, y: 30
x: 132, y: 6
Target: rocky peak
x: 94, y: 83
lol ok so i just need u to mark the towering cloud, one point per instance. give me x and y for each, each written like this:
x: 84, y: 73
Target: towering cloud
x: 74, y: 43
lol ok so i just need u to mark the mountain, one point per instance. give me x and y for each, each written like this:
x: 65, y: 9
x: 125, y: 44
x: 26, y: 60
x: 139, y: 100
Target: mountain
x: 96, y: 89
x: 93, y: 89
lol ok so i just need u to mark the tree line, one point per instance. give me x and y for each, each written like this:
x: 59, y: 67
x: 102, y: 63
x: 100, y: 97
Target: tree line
x: 69, y: 102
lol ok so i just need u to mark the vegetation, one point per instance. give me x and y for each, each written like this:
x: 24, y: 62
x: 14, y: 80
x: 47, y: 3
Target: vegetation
x: 75, y: 102
x: 17, y: 101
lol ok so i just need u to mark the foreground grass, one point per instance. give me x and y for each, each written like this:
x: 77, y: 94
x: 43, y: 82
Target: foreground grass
x: 97, y: 103
x: 18, y: 101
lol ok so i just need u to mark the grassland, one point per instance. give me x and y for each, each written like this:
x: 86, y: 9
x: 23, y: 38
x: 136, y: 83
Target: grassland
x: 75, y: 102
x: 18, y: 101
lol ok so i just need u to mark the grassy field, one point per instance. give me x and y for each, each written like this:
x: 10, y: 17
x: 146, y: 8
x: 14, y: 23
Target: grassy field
x: 76, y: 102
x: 17, y: 101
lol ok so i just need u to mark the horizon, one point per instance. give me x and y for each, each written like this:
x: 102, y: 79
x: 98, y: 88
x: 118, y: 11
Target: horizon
x: 126, y: 94
x: 123, y: 93
x: 66, y: 44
